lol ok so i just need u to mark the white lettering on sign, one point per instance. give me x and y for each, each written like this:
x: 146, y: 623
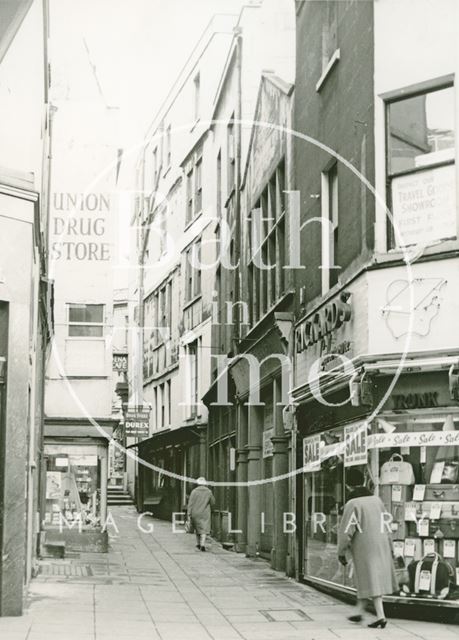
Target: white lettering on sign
x: 356, y: 445
x: 322, y: 324
x: 424, y: 206
x: 311, y: 454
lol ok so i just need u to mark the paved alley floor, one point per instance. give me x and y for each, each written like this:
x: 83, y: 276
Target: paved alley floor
x: 158, y: 586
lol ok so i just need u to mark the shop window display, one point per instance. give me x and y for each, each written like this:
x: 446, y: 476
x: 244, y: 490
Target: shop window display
x: 412, y: 463
x: 73, y: 481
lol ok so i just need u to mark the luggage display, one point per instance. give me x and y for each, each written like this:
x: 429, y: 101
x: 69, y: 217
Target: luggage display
x: 437, y: 529
x: 443, y: 492
x: 413, y: 549
x: 387, y: 492
x: 397, y: 471
x: 431, y: 575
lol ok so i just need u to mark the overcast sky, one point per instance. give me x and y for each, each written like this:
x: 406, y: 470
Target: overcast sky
x: 136, y: 47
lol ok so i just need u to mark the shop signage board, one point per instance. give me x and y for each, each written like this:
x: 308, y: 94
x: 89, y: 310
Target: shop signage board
x: 137, y: 422
x: 267, y: 444
x: 424, y: 206
x: 413, y: 439
x: 355, y: 444
x: 311, y: 454
x: 120, y: 362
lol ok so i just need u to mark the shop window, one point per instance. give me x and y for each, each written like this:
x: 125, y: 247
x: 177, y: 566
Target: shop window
x: 412, y: 463
x: 86, y: 320
x: 73, y: 486
x: 420, y: 167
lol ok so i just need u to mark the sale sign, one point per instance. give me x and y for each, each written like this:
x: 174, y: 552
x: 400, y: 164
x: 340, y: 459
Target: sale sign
x: 311, y: 454
x: 355, y: 444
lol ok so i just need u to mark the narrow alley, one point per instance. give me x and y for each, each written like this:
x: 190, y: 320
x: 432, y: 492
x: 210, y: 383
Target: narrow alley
x: 158, y: 585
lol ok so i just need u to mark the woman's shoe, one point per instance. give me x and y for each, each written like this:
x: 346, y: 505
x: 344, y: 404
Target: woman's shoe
x: 379, y: 623
x: 203, y: 548
x: 356, y: 618
x: 198, y: 546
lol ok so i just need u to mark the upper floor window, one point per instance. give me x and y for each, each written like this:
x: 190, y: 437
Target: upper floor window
x: 168, y: 146
x: 420, y: 167
x: 86, y: 320
x: 193, y: 172
x: 155, y: 167
x: 231, y: 156
x: 193, y: 271
x: 268, y: 249
x: 329, y: 32
x: 196, y: 95
x: 219, y: 184
x: 329, y: 227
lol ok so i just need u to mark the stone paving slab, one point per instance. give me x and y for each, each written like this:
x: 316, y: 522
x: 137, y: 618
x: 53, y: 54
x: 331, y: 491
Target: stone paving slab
x: 158, y: 586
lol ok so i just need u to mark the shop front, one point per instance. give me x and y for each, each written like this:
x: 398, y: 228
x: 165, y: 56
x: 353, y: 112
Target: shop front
x: 166, y: 459
x: 396, y: 419
x: 75, y: 490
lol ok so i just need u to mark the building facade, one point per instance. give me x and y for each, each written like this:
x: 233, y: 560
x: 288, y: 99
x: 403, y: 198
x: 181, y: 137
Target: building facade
x: 375, y: 358
x: 26, y: 322
x: 79, y: 380
x: 176, y: 256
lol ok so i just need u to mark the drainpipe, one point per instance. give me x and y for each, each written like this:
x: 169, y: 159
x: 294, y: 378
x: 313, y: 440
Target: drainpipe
x: 237, y: 195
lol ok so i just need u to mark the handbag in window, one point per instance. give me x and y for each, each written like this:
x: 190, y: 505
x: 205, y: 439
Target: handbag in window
x: 397, y: 471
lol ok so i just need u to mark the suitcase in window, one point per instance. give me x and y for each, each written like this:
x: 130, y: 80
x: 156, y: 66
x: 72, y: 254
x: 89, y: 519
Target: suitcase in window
x: 449, y: 510
x: 431, y: 576
x: 442, y: 492
x: 438, y: 529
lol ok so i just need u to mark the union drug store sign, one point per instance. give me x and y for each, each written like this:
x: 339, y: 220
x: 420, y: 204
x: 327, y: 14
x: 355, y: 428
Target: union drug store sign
x: 79, y: 227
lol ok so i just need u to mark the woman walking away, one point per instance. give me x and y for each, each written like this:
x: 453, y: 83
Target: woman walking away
x: 200, y: 504
x: 364, y: 534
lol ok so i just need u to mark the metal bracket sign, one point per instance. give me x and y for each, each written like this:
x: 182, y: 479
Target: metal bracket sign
x: 137, y: 421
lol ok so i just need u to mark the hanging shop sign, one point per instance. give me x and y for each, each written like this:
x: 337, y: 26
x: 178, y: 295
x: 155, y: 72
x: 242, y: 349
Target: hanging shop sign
x: 267, y: 443
x: 355, y: 445
x: 311, y: 454
x: 120, y: 362
x: 137, y: 422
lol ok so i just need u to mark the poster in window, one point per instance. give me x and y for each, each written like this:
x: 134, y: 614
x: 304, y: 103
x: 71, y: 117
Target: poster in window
x: 311, y: 454
x: 355, y: 445
x: 424, y: 206
x: 53, y: 485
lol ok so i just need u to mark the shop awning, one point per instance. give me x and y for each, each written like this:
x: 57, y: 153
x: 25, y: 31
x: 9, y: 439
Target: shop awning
x: 170, y: 437
x: 389, y: 364
x: 73, y: 429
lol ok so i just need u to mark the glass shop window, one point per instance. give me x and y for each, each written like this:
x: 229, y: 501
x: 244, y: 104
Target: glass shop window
x: 73, y: 487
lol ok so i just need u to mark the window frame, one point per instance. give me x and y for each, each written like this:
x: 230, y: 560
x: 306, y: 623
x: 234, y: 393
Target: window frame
x: 267, y: 286
x: 399, y: 95
x: 72, y: 323
x: 330, y: 213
